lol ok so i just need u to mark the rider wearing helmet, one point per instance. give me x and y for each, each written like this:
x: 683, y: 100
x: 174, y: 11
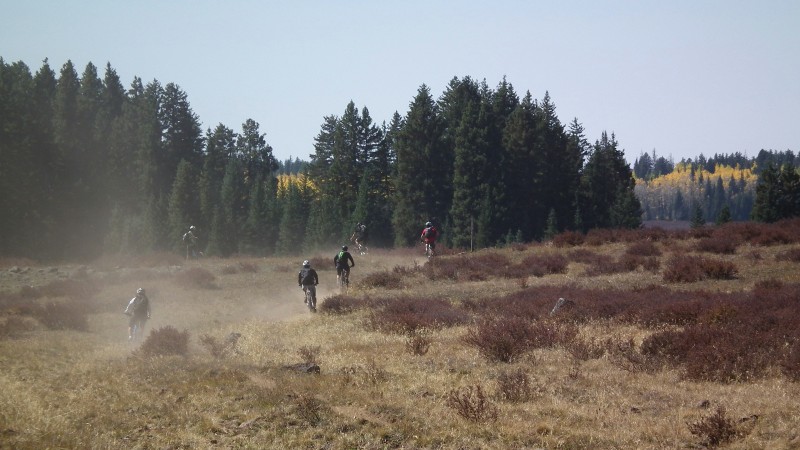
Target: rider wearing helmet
x: 359, y: 237
x: 343, y: 262
x: 139, y: 310
x: 429, y: 235
x: 307, y: 279
x: 190, y: 239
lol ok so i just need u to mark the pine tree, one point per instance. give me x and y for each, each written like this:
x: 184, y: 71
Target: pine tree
x: 552, y: 225
x: 698, y: 218
x: 765, y: 208
x: 724, y: 215
x: 523, y: 175
x: 471, y: 177
x: 423, y: 166
x: 605, y: 178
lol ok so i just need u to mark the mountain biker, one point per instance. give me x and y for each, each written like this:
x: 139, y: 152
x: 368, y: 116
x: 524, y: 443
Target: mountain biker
x: 139, y: 311
x: 307, y: 279
x: 359, y: 237
x: 342, y: 266
x: 190, y: 239
x: 429, y: 235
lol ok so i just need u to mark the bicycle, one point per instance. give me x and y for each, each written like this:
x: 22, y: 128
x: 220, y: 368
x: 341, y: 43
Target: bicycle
x: 344, y: 280
x: 137, y: 328
x: 429, y: 252
x: 310, y: 301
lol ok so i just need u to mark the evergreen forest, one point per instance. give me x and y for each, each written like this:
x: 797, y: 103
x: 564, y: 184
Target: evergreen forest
x: 90, y: 167
x: 719, y: 189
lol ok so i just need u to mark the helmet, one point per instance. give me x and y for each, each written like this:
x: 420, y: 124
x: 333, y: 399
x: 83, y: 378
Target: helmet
x: 140, y: 291
x: 344, y: 247
x: 191, y: 227
x: 428, y: 224
x: 306, y: 263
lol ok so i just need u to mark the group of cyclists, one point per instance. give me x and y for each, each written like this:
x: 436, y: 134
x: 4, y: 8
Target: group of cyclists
x: 138, y: 308
x: 307, y: 278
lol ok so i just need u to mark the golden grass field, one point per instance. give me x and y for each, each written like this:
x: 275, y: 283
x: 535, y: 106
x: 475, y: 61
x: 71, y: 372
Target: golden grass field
x: 65, y: 389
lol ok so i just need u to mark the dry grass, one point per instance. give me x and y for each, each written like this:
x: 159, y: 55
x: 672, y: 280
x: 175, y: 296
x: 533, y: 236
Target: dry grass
x: 413, y: 384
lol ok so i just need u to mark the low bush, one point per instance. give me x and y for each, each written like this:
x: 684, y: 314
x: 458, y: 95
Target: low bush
x: 716, y: 429
x: 774, y: 236
x: 418, y: 343
x: 382, y: 279
x: 240, y: 267
x: 541, y: 265
x: 165, y: 341
x: 502, y: 339
x: 568, y: 239
x: 585, y: 256
x: 688, y: 269
x: 196, y: 277
x: 600, y: 236
x: 408, y: 314
x: 469, y: 267
x: 514, y: 386
x: 683, y: 269
x: 343, y: 304
x: 585, y: 349
x: 643, y: 248
x: 309, y: 409
x: 472, y: 403
x: 718, y: 244
x: 321, y: 263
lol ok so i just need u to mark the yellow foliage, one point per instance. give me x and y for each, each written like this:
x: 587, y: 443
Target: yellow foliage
x: 301, y: 181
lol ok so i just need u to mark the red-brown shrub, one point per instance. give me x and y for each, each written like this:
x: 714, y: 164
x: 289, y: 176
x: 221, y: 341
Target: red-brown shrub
x: 683, y: 269
x: 382, y: 279
x: 718, y: 244
x: 585, y: 349
x: 514, y: 386
x: 568, y: 239
x: 716, y: 429
x: 541, y: 265
x: 502, y: 339
x: 585, y: 256
x: 165, y: 341
x: 472, y: 404
x: 469, y: 267
x: 408, y: 314
x: 344, y: 304
x: 643, y: 248
x: 689, y: 268
x: 774, y: 236
x: 599, y: 236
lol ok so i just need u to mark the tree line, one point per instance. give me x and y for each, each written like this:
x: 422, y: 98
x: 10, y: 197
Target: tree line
x: 88, y: 166
x: 720, y: 188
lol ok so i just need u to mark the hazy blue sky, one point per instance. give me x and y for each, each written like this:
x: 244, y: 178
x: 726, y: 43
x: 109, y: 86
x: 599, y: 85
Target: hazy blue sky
x: 680, y: 77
